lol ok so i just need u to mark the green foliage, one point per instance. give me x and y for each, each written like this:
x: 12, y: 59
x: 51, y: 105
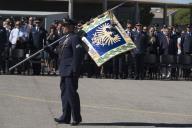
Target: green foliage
x: 182, y: 16
x: 145, y: 15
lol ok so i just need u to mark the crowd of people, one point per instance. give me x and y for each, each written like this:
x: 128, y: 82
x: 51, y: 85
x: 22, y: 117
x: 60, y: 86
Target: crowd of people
x: 160, y: 51
x: 22, y: 37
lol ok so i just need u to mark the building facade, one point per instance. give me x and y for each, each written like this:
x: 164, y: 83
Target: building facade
x: 87, y: 9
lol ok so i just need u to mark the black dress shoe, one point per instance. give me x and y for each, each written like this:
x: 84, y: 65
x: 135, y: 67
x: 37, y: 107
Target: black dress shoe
x: 75, y: 123
x: 61, y: 121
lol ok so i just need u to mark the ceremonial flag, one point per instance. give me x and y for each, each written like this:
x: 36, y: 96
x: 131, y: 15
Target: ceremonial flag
x: 105, y: 38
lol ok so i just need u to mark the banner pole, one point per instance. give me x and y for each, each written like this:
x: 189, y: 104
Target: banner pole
x: 28, y: 58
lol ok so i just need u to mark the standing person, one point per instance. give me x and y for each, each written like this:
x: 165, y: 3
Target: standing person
x: 152, y: 47
x: 69, y: 67
x: 186, y: 47
x: 17, y: 36
x: 168, y: 46
x: 37, y: 39
x: 8, y: 28
x: 179, y: 42
x: 7, y: 46
x: 168, y: 43
x: 30, y: 24
x: 51, y: 59
x: 186, y: 44
x: 129, y: 31
x: 129, y: 59
x: 3, y: 41
x: 153, y: 42
x: 140, y: 40
x: 18, y: 41
x: 59, y: 29
x: 159, y: 34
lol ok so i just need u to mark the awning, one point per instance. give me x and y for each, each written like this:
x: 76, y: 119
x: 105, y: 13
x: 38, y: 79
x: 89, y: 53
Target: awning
x: 29, y: 13
x: 168, y: 2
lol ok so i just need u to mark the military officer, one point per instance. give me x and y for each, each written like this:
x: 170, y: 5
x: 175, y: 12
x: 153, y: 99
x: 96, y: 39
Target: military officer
x: 140, y: 40
x: 187, y: 41
x: 37, y: 39
x: 70, y: 50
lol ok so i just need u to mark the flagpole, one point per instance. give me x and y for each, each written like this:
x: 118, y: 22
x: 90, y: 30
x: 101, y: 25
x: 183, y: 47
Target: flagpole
x: 117, y: 6
x: 28, y: 58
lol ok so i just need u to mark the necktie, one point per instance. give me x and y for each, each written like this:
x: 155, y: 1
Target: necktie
x: 167, y: 39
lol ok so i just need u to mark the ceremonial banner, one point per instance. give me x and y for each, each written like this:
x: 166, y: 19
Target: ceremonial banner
x: 105, y: 38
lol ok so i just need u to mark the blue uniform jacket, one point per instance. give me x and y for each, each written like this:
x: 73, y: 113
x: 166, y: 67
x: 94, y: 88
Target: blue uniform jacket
x: 141, y: 41
x: 3, y: 37
x: 187, y: 43
x: 70, y: 55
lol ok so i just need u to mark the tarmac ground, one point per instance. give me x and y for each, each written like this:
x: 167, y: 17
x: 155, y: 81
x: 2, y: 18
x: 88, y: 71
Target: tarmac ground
x: 34, y: 101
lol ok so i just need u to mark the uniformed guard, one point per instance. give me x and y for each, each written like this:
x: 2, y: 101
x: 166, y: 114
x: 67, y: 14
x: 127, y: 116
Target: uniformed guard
x: 186, y: 43
x: 37, y: 39
x: 70, y: 50
x: 3, y: 41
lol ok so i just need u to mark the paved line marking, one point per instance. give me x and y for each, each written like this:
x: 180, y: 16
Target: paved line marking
x: 101, y: 107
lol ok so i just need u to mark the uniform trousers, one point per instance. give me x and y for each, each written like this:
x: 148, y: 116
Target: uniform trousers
x: 70, y: 99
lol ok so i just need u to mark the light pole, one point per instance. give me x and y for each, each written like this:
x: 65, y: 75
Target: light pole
x: 137, y: 13
x: 191, y: 15
x: 165, y: 14
x: 104, y: 5
x: 70, y: 9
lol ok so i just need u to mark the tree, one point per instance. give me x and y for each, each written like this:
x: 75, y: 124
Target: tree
x: 146, y: 15
x: 182, y: 17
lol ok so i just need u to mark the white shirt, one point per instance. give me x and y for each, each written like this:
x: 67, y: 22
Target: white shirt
x: 15, y: 34
x: 128, y: 32
x: 179, y: 40
x: 179, y: 43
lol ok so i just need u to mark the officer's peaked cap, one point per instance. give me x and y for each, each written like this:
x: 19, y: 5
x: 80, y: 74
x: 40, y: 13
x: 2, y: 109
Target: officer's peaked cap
x: 67, y: 21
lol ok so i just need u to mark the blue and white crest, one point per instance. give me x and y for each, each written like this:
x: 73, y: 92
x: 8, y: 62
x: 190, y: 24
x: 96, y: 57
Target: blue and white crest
x: 104, y: 36
x: 104, y: 41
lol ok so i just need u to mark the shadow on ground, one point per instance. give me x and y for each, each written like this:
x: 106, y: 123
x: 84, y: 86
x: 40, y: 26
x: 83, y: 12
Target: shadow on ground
x: 137, y: 124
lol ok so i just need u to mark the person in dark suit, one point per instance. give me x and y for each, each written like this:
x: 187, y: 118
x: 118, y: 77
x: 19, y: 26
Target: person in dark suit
x: 129, y: 31
x: 70, y: 57
x: 7, y: 46
x: 37, y: 39
x: 186, y: 43
x: 118, y: 66
x: 168, y: 46
x: 129, y: 59
x: 3, y: 41
x: 51, y: 59
x: 168, y: 43
x: 141, y: 41
x: 152, y: 42
x: 186, y: 47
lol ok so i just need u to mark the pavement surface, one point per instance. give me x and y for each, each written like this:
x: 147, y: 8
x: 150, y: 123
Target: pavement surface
x: 33, y: 102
